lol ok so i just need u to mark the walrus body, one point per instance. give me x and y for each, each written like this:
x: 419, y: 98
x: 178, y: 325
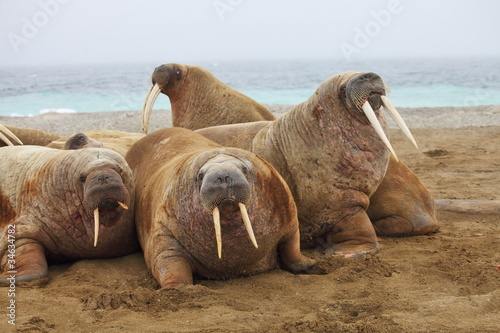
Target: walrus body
x: 53, y: 200
x: 332, y: 160
x: 196, y: 96
x: 115, y: 140
x: 183, y: 182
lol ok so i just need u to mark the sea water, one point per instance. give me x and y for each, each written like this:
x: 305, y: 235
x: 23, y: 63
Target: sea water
x: 28, y: 91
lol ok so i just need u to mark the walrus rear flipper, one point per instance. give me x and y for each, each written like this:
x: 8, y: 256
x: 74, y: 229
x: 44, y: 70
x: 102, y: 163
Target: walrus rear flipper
x: 402, y: 205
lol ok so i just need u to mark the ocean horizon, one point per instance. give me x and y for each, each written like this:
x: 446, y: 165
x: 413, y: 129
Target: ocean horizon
x: 29, y: 91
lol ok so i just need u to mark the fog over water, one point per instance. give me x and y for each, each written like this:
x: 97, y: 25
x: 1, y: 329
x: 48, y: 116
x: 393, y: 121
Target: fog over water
x: 58, y: 32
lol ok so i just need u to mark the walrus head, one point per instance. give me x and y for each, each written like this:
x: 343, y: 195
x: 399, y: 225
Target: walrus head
x: 367, y: 92
x: 79, y: 141
x: 225, y: 191
x: 164, y: 79
x: 104, y: 193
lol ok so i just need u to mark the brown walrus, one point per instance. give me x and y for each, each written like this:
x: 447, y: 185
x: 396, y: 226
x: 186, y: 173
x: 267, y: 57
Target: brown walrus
x: 406, y: 208
x: 197, y: 95
x: 334, y: 157
x: 27, y: 136
x: 62, y: 205
x: 212, y: 211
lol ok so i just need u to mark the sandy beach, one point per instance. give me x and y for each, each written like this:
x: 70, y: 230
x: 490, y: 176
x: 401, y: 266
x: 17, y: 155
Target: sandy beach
x: 445, y: 282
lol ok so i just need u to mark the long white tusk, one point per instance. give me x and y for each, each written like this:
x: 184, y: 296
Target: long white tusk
x: 122, y: 205
x: 370, y: 114
x: 5, y: 139
x: 96, y: 226
x: 9, y: 133
x: 218, y: 237
x: 147, y: 107
x: 397, y: 118
x: 248, y: 225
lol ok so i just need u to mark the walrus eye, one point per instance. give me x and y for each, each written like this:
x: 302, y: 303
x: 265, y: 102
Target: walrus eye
x: 178, y: 72
x: 200, y: 177
x: 342, y: 91
x: 244, y: 170
x: 83, y: 178
x: 118, y: 168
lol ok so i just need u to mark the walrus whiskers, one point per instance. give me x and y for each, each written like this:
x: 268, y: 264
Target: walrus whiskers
x: 96, y: 226
x: 216, y: 215
x: 398, y: 119
x: 248, y: 225
x: 370, y: 114
x: 10, y: 134
x: 147, y: 107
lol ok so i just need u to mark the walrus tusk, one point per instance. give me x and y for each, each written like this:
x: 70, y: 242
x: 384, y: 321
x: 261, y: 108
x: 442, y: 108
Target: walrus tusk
x: 5, y: 139
x: 122, y: 205
x: 8, y: 133
x: 147, y: 107
x: 216, y: 215
x: 248, y: 225
x: 96, y: 226
x: 370, y: 114
x: 397, y: 118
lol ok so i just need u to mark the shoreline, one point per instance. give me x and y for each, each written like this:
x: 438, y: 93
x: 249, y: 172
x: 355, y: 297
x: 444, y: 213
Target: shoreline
x: 130, y: 121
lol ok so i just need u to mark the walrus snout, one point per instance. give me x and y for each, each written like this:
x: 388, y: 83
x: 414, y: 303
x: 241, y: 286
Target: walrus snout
x: 102, y: 184
x: 223, y: 183
x: 365, y: 87
x: 367, y: 92
x: 223, y: 187
x: 162, y: 78
x: 167, y: 73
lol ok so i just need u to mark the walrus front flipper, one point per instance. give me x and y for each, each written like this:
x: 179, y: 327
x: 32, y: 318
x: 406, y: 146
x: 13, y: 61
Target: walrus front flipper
x: 402, y: 205
x: 291, y: 257
x: 170, y: 267
x: 30, y: 263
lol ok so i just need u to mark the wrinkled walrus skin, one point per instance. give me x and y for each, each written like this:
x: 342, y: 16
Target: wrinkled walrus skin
x: 174, y: 169
x: 115, y: 140
x: 194, y: 92
x: 48, y: 199
x: 333, y: 162
x: 413, y: 212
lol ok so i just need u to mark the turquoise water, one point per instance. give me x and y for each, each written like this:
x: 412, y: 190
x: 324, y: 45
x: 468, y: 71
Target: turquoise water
x: 31, y: 91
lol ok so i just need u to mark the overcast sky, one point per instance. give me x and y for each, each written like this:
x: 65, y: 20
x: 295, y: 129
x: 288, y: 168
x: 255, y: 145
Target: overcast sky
x: 37, y: 32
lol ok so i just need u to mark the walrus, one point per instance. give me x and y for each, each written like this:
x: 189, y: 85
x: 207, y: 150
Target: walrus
x: 333, y: 152
x: 211, y: 211
x: 62, y: 205
x: 22, y: 135
x: 413, y: 212
x: 194, y: 92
